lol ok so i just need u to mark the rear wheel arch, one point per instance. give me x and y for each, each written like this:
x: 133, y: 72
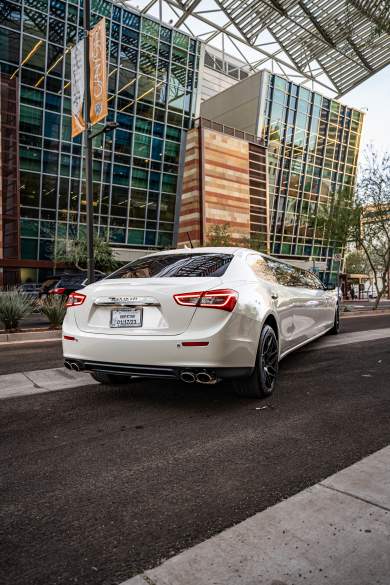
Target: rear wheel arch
x: 272, y: 322
x: 261, y: 382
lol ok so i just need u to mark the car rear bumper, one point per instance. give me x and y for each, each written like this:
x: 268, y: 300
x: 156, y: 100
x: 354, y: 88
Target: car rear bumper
x: 160, y: 372
x: 232, y: 346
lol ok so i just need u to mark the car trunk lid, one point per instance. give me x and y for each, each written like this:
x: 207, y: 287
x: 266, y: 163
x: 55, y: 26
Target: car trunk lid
x: 156, y: 312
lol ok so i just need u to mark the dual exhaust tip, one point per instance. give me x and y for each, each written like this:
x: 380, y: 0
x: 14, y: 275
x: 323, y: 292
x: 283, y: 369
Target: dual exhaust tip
x: 200, y: 377
x: 72, y: 366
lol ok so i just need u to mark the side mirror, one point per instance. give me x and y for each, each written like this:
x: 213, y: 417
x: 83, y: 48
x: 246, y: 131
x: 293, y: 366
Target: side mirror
x: 330, y: 286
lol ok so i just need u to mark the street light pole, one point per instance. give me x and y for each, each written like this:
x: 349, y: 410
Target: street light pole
x: 88, y: 146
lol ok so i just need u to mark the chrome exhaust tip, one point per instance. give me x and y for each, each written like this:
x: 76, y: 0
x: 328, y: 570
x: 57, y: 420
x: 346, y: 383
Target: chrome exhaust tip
x: 206, y: 378
x: 75, y: 366
x: 187, y: 377
x: 67, y: 365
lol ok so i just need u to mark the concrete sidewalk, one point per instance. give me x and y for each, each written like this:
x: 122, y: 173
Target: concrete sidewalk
x: 335, y: 533
x: 37, y: 381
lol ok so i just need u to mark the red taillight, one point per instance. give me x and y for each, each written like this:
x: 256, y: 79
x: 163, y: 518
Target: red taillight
x: 57, y: 291
x: 75, y: 299
x: 224, y: 299
x: 188, y: 299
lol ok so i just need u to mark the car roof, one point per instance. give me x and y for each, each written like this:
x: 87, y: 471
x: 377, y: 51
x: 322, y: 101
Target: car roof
x: 234, y: 250
x: 204, y: 250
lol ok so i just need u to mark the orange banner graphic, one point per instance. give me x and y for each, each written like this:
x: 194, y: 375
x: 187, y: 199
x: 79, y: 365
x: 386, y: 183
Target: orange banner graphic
x: 98, y: 72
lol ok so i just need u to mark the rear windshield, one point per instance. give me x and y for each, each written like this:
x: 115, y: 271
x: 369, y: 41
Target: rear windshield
x: 71, y: 280
x: 175, y: 265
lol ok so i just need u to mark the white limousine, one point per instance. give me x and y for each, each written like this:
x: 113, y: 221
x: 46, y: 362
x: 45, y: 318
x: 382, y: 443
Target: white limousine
x: 197, y: 315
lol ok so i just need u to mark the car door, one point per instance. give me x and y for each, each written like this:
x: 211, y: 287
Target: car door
x: 299, y: 304
x: 275, y: 276
x: 326, y: 303
x: 308, y: 314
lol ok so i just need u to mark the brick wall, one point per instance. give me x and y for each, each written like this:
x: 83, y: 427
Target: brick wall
x: 216, y: 186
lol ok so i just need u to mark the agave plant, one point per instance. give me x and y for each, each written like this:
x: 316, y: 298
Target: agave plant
x: 13, y: 307
x: 54, y: 309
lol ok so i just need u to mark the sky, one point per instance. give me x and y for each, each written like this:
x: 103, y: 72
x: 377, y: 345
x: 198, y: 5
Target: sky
x: 373, y: 96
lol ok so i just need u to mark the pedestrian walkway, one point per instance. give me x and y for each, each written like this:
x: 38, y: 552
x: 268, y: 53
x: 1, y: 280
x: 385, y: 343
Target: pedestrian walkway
x: 334, y: 533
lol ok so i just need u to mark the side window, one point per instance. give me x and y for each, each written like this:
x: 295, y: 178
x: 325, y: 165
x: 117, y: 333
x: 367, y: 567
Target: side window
x: 284, y: 274
x: 261, y: 268
x: 274, y: 271
x: 280, y: 273
x: 313, y: 281
x: 289, y: 275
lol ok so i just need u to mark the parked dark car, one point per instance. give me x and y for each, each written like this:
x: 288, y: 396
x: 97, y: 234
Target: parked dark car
x: 48, y: 284
x: 32, y: 289
x: 68, y: 283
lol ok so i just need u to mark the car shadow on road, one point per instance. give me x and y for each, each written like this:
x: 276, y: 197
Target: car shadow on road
x: 179, y: 396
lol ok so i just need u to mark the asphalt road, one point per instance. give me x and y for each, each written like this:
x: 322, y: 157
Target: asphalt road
x: 100, y: 483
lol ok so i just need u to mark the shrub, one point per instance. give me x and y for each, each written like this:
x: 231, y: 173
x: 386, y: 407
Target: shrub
x: 13, y: 307
x: 54, y: 309
x: 219, y: 235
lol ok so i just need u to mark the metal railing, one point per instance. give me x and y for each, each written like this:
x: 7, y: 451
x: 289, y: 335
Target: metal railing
x: 211, y: 125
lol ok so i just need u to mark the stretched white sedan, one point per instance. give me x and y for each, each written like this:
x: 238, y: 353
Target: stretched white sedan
x: 199, y: 315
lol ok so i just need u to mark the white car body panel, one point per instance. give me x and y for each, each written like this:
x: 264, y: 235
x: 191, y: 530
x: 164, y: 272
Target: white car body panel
x: 301, y: 314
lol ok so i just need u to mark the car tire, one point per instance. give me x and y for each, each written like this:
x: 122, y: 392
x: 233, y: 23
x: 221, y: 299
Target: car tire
x: 261, y: 382
x: 110, y: 378
x: 336, y: 323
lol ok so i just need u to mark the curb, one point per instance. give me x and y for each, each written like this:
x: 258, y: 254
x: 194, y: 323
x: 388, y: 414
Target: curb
x: 30, y: 336
x: 362, y: 313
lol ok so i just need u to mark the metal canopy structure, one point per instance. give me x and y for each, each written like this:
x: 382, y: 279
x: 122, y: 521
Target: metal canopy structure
x: 333, y: 44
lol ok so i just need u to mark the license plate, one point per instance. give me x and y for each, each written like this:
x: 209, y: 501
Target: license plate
x: 126, y: 318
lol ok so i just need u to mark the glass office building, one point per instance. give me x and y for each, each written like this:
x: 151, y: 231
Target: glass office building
x: 312, y: 151
x: 152, y: 73
x: 313, y: 148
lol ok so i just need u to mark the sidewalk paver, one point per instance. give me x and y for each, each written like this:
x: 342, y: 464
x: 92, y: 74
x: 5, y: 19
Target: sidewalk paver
x: 336, y: 533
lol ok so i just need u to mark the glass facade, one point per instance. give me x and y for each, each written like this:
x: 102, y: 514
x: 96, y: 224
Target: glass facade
x: 313, y: 147
x: 152, y: 73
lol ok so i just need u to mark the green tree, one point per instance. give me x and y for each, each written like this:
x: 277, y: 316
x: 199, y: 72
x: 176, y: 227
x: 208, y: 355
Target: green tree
x: 74, y: 252
x: 356, y: 263
x: 256, y: 242
x: 363, y: 218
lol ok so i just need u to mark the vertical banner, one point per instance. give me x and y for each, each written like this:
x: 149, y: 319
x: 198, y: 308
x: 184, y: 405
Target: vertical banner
x: 77, y: 81
x: 98, y: 72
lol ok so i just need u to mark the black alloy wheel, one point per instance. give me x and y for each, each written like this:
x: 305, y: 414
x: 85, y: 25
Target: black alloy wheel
x: 336, y: 323
x: 261, y: 382
x: 269, y: 356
